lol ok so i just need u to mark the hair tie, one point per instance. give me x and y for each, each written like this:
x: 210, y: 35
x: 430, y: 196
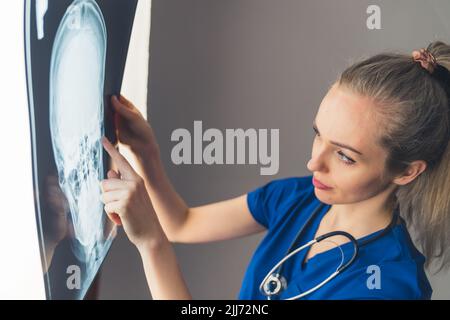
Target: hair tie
x: 426, y: 59
x: 428, y: 62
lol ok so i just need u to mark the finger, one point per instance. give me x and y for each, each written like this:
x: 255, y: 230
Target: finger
x: 126, y: 102
x: 115, y: 195
x: 129, y: 105
x: 125, y: 169
x: 113, y: 184
x: 114, y: 217
x: 113, y: 175
x: 116, y: 123
x: 110, y: 210
x: 122, y: 109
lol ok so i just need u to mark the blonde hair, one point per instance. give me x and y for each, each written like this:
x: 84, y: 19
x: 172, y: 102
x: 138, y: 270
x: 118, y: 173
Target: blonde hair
x: 414, y: 112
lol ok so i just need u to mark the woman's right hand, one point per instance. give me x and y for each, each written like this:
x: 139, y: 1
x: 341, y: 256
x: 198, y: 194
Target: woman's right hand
x: 132, y: 128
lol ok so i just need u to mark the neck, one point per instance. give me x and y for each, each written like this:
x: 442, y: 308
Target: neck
x: 364, y: 217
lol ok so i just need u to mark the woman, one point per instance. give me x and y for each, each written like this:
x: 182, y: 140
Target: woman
x: 381, y: 149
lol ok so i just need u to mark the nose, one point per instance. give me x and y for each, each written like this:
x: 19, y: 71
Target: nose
x: 317, y: 161
x: 313, y: 165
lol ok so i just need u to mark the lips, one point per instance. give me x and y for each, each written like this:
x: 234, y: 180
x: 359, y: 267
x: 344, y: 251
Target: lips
x: 319, y: 184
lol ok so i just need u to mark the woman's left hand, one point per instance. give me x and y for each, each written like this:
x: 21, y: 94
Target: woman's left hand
x: 127, y: 202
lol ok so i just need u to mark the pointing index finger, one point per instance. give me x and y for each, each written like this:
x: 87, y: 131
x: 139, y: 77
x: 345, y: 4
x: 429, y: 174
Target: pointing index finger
x: 124, y: 167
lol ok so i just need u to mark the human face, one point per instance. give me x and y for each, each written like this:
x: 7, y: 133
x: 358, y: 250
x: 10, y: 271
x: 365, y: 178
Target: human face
x: 353, y: 172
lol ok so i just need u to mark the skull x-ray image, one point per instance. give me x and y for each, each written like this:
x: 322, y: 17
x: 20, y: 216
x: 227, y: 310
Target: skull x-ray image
x: 76, y: 118
x: 76, y: 53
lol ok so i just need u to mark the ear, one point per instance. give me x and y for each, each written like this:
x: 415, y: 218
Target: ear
x: 413, y: 170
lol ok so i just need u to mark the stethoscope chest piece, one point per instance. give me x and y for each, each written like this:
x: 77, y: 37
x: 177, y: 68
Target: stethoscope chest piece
x: 275, y: 284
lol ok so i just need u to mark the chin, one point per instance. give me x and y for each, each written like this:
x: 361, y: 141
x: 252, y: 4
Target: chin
x: 323, y: 197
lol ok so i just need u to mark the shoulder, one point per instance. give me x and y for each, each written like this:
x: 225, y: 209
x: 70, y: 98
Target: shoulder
x: 390, y: 268
x: 395, y: 280
x: 396, y: 270
x: 387, y: 280
x: 268, y: 201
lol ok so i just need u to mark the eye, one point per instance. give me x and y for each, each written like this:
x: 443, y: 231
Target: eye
x: 345, y: 159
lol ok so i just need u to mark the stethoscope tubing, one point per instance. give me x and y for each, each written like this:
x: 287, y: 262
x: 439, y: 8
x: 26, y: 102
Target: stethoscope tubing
x: 276, y: 270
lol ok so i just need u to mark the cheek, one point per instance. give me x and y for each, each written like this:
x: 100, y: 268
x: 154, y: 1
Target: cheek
x: 357, y: 186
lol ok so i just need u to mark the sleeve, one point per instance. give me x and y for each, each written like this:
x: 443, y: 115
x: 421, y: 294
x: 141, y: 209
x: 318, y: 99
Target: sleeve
x: 265, y: 202
x: 255, y: 202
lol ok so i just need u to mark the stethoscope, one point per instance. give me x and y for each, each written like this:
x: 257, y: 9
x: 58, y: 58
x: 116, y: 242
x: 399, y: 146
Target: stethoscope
x: 274, y: 283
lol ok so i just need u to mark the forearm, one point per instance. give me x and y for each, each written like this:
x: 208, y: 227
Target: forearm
x: 168, y: 204
x: 163, y: 274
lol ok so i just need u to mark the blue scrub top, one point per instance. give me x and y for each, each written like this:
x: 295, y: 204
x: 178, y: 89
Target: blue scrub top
x: 390, y: 267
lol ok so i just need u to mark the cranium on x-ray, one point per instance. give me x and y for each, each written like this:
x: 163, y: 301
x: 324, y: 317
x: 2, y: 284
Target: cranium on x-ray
x: 76, y: 120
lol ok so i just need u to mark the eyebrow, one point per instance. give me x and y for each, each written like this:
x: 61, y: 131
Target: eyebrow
x: 342, y: 145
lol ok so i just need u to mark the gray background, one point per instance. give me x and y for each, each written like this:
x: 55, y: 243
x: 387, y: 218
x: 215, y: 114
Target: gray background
x: 253, y: 64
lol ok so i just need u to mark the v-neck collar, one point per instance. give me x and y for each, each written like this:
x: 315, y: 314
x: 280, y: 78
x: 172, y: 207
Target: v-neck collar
x: 312, y: 230
x: 322, y: 263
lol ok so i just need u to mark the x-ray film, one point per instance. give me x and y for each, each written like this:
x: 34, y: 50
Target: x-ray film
x: 76, y: 53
